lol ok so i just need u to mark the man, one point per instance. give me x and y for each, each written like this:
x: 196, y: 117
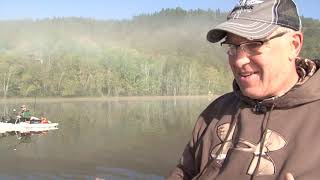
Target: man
x: 268, y: 127
x: 24, y: 113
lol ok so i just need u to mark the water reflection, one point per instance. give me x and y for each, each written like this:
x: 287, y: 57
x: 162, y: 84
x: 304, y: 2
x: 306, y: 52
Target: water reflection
x: 21, y: 137
x: 105, y: 139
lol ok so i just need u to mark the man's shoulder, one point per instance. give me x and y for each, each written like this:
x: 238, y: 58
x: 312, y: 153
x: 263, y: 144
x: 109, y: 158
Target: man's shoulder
x: 219, y: 107
x: 223, y: 100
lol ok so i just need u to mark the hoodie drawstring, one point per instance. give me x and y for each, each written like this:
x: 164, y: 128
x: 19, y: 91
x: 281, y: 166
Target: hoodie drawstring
x: 263, y: 139
x: 228, y: 137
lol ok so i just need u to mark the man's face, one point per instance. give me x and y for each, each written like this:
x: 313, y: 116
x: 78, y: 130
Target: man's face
x: 265, y: 74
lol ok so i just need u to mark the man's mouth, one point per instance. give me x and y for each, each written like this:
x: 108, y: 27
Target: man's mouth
x: 246, y: 74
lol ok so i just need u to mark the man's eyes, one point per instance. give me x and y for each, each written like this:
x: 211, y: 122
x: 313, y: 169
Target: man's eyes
x: 253, y: 45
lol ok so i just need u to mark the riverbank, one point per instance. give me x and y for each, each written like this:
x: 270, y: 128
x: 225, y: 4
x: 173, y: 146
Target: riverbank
x: 122, y: 98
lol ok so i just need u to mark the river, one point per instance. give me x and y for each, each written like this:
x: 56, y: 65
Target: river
x: 101, y: 139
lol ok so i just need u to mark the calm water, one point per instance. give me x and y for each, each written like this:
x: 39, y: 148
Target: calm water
x: 101, y: 140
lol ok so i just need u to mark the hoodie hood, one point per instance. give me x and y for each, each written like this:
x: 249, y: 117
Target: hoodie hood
x: 305, y: 91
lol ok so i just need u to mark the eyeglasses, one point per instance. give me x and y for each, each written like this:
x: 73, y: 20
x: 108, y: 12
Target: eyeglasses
x: 251, y: 48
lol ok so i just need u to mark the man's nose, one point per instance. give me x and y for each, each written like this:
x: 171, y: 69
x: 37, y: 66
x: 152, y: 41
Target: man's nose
x: 240, y: 58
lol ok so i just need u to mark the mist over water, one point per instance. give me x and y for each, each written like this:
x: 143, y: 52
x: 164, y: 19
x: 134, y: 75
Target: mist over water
x: 106, y: 139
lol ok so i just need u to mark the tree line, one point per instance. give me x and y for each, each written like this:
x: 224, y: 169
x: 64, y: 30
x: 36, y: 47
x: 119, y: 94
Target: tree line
x: 162, y: 53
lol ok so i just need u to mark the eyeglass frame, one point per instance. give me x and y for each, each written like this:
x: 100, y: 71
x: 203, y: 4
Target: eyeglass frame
x: 243, y: 46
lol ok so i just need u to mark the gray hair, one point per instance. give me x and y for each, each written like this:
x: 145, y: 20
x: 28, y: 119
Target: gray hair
x: 281, y: 29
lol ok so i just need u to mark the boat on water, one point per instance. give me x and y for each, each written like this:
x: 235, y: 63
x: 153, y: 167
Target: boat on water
x: 33, y: 125
x: 23, y: 121
x: 27, y: 127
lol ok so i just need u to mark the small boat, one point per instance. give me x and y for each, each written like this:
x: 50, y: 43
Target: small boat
x: 34, y: 125
x: 27, y: 127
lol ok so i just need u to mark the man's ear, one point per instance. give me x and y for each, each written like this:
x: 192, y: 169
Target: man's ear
x: 296, y: 42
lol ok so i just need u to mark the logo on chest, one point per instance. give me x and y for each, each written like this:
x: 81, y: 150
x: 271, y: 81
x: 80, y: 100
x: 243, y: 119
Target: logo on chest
x: 273, y: 142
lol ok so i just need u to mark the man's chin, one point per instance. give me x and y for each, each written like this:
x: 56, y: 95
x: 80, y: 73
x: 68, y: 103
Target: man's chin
x: 252, y: 93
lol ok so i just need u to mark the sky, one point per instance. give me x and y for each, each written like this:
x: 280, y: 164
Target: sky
x: 119, y: 9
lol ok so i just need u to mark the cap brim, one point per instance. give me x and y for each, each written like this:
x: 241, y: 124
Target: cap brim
x: 248, y: 29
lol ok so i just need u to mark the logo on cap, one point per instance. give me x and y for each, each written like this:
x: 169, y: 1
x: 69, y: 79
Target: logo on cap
x: 249, y: 2
x: 244, y: 6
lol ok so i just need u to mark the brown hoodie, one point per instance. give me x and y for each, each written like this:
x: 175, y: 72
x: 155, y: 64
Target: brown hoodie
x: 237, y: 138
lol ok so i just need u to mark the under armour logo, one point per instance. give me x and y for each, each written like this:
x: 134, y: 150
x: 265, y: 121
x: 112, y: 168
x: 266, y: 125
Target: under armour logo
x: 273, y: 142
x: 249, y: 2
x: 244, y: 6
x: 222, y: 131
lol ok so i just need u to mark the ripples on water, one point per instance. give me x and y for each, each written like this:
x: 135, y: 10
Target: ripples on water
x: 117, y: 140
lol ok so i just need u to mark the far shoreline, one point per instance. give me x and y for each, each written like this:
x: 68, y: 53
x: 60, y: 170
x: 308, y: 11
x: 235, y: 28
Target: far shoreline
x: 105, y: 98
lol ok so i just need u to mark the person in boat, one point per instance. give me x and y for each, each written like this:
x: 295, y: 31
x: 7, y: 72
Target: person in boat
x: 267, y: 128
x: 13, y: 116
x: 24, y: 114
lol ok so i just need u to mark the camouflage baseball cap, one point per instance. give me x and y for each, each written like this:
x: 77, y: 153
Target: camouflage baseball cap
x: 257, y: 19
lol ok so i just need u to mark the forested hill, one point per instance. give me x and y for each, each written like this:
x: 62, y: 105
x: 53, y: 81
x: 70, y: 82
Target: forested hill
x: 164, y: 53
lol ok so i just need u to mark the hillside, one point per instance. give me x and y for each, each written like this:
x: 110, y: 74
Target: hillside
x: 164, y: 53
